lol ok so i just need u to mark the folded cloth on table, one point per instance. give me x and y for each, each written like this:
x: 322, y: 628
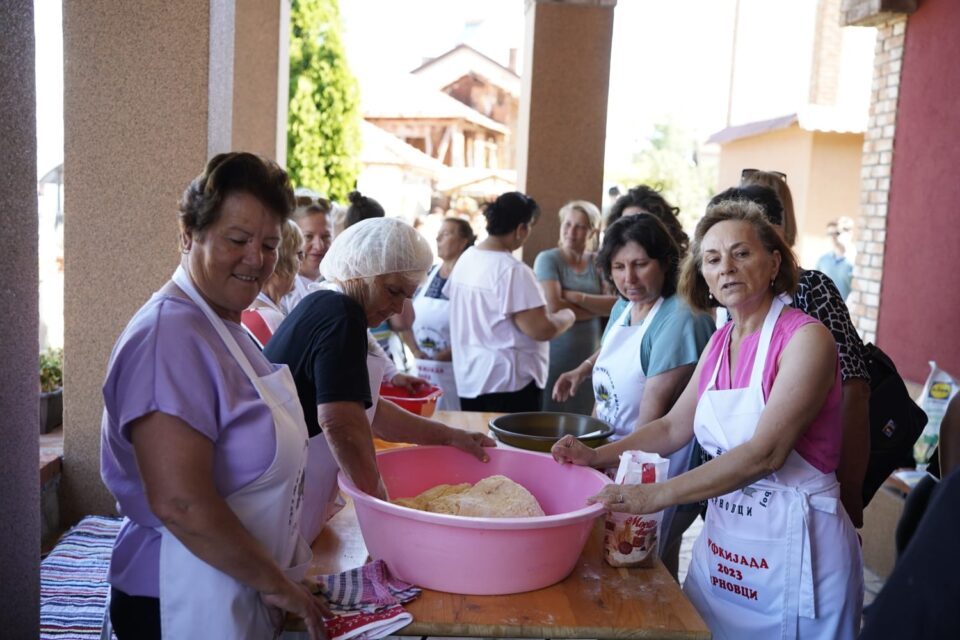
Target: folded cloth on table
x: 367, y: 601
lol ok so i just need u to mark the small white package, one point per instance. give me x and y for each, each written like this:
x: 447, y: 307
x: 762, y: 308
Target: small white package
x: 632, y: 540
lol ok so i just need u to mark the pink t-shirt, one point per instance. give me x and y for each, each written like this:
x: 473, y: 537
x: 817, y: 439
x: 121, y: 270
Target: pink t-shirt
x: 820, y: 444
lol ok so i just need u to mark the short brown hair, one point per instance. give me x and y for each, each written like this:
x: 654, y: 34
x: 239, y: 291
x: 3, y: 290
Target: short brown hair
x: 693, y: 287
x: 236, y: 172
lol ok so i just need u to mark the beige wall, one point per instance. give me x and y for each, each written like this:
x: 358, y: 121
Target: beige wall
x: 823, y: 172
x: 563, y: 107
x: 140, y: 120
x: 834, y: 190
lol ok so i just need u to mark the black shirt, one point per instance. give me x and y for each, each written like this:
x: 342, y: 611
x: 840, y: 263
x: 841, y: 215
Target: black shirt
x: 324, y: 342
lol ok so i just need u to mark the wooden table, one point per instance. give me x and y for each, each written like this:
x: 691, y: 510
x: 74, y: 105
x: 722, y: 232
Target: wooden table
x: 595, y: 601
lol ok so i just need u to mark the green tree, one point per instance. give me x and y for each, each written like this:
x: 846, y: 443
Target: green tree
x: 323, y: 122
x: 672, y: 163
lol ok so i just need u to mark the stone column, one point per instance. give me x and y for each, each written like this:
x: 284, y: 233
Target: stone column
x: 561, y: 131
x: 149, y: 96
x: 19, y: 376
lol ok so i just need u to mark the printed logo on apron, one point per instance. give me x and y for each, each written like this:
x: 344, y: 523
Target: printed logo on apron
x: 605, y: 394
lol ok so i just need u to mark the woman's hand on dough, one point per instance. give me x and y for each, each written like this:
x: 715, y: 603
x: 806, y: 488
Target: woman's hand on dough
x: 569, y: 449
x: 471, y: 442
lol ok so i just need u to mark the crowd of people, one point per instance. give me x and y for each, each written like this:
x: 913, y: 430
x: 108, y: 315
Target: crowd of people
x: 718, y: 352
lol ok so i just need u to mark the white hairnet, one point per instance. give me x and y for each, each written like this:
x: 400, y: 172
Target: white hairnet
x: 374, y: 247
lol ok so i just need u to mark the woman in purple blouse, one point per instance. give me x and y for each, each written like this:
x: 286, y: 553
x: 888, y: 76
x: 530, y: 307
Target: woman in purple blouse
x: 203, y: 439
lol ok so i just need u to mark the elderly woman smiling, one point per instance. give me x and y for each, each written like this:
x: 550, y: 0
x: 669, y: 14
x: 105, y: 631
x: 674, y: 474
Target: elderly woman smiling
x: 203, y: 440
x: 778, y: 554
x: 372, y: 269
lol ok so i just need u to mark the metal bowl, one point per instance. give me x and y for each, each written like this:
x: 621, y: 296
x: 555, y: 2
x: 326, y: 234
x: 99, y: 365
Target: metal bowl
x: 537, y: 431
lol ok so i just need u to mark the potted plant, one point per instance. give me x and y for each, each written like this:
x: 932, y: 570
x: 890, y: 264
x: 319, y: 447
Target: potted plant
x: 51, y: 389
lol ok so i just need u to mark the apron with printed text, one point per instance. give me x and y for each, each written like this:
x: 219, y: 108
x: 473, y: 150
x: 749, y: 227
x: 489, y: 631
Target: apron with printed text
x: 779, y: 558
x: 618, y: 384
x: 199, y: 601
x: 431, y: 329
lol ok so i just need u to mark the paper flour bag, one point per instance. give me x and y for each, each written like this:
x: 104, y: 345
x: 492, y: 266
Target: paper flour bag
x: 630, y: 540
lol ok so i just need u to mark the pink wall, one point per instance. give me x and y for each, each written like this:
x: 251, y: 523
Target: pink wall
x: 919, y: 317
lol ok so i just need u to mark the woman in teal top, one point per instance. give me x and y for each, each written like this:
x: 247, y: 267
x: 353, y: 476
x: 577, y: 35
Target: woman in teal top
x: 650, y: 349
x: 568, y: 273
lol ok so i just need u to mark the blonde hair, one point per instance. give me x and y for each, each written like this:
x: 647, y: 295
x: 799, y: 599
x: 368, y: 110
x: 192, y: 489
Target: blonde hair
x: 586, y: 208
x: 291, y: 244
x: 692, y: 285
x: 779, y: 185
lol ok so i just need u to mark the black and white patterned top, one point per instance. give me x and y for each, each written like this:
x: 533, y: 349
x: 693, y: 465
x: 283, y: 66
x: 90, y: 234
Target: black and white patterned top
x: 818, y: 297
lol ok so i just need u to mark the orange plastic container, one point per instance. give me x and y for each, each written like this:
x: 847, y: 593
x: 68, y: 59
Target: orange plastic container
x: 422, y: 402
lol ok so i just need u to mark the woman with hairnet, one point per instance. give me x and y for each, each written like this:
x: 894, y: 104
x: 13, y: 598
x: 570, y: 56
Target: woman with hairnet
x: 370, y: 270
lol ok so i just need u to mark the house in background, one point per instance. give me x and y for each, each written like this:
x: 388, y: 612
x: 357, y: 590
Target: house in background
x: 814, y: 130
x: 458, y: 110
x: 819, y: 150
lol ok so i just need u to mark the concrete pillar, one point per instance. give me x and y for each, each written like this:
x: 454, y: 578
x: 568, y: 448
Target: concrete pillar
x: 149, y: 96
x: 19, y: 377
x: 261, y: 61
x: 563, y: 109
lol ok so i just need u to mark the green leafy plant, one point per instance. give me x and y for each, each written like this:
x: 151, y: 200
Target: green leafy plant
x: 51, y: 369
x: 323, y: 121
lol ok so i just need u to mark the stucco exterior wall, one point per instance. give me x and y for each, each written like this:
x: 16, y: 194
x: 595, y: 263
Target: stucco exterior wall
x: 19, y: 377
x: 919, y: 296
x: 562, y: 127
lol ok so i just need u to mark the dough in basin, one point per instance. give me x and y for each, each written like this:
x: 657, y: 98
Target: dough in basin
x: 493, y: 497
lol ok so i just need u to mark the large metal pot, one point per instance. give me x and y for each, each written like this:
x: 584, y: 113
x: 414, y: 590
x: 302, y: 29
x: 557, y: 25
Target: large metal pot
x: 537, y: 431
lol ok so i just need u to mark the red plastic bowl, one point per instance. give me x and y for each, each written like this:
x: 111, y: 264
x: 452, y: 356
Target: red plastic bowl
x: 422, y: 402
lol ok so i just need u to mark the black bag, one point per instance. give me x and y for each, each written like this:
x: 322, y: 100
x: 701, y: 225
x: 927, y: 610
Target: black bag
x: 895, y: 422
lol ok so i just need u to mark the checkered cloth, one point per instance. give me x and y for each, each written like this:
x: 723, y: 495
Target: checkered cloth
x: 367, y: 601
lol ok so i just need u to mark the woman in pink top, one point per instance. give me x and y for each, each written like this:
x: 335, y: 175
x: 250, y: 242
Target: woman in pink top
x: 778, y: 556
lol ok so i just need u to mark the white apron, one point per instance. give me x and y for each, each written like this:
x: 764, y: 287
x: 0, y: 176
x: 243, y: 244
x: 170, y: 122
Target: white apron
x: 199, y: 601
x: 431, y: 329
x: 321, y: 495
x: 780, y: 558
x: 618, y: 383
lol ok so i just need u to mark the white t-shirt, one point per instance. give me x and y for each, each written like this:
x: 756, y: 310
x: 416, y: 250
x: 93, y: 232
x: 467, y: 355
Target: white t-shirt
x: 490, y: 353
x: 302, y: 287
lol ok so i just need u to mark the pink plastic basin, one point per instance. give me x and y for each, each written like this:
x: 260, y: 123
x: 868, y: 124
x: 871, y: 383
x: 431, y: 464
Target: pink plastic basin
x: 481, y: 556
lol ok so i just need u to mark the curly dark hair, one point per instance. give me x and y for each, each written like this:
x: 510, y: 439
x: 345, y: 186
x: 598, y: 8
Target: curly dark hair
x: 652, y: 202
x: 651, y: 234
x: 361, y: 208
x: 236, y: 172
x: 509, y: 211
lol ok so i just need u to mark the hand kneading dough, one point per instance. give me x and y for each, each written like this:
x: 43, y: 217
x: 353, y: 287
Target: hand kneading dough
x: 493, y: 497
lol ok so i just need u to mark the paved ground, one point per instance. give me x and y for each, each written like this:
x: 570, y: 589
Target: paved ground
x: 872, y: 583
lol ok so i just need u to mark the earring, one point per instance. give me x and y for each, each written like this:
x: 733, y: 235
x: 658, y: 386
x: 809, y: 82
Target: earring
x: 771, y: 283
x: 709, y: 296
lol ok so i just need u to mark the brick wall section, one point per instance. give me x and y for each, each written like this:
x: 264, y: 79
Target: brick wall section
x: 864, y: 301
